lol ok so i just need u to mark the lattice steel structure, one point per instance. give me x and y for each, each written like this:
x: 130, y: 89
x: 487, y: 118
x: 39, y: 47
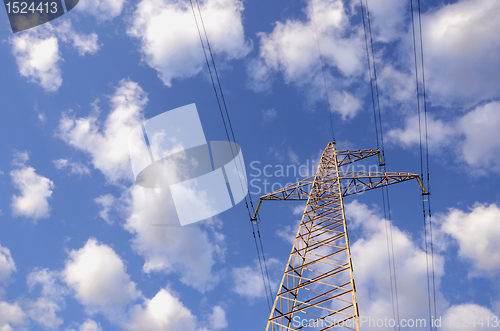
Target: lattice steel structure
x: 318, y: 287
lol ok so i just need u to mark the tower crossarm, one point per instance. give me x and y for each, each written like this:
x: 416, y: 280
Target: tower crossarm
x: 296, y: 191
x: 353, y: 182
x: 350, y: 156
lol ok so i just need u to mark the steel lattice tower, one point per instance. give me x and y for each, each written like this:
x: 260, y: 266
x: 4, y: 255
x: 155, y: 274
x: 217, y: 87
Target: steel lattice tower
x: 318, y: 287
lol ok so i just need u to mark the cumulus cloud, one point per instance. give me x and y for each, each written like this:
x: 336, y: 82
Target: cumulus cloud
x: 96, y: 275
x: 481, y: 147
x: 102, y: 10
x: 7, y: 265
x: 397, y: 87
x: 462, y: 51
x: 88, y: 325
x: 163, y: 312
x: 388, y: 19
x: 38, y: 56
x: 474, y: 136
x: 44, y: 309
x: 75, y: 167
x: 99, y: 279
x: 107, y: 143
x: 247, y: 281
x: 440, y: 133
x: 371, y: 270
x: 169, y: 40
x: 190, y: 251
x: 478, y: 236
x: 11, y: 316
x: 217, y: 319
x: 35, y: 190
x: 459, y: 316
x: 291, y: 49
x: 150, y: 214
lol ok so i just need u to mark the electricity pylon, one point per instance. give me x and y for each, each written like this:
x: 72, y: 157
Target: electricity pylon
x: 317, y: 289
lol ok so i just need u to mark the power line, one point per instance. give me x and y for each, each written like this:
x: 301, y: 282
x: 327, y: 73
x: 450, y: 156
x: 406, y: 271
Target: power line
x: 323, y: 70
x: 385, y: 190
x: 380, y: 146
x: 257, y: 238
x: 427, y: 154
x: 431, y: 297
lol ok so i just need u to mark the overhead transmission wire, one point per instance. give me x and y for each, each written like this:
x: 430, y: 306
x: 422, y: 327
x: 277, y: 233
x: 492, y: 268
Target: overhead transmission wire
x: 426, y: 243
x: 427, y: 154
x: 386, y: 189
x: 323, y: 70
x: 250, y: 208
x: 380, y: 146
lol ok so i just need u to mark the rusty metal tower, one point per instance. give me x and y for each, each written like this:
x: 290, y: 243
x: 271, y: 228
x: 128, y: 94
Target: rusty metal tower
x: 318, y: 287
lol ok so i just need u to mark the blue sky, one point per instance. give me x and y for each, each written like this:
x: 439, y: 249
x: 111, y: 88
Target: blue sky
x: 79, y: 248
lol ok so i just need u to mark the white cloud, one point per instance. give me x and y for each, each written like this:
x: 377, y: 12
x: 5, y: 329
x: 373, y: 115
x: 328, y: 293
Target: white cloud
x: 106, y: 202
x: 11, y: 315
x: 440, y: 133
x: 291, y: 48
x: 7, y: 265
x: 248, y: 280
x: 84, y: 44
x: 107, y: 144
x: 90, y: 325
x: 190, y: 251
x: 473, y: 136
x: 481, y: 147
x: 169, y: 40
x: 20, y: 159
x: 388, y: 19
x: 396, y: 87
x: 75, y: 167
x: 478, y: 236
x: 345, y: 103
x: 163, y: 312
x: 34, y: 190
x: 371, y: 270
x: 102, y: 10
x: 462, y: 317
x: 44, y: 309
x: 217, y: 319
x: 462, y: 51
x: 44, y: 312
x: 98, y: 277
x: 49, y: 281
x: 38, y: 56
